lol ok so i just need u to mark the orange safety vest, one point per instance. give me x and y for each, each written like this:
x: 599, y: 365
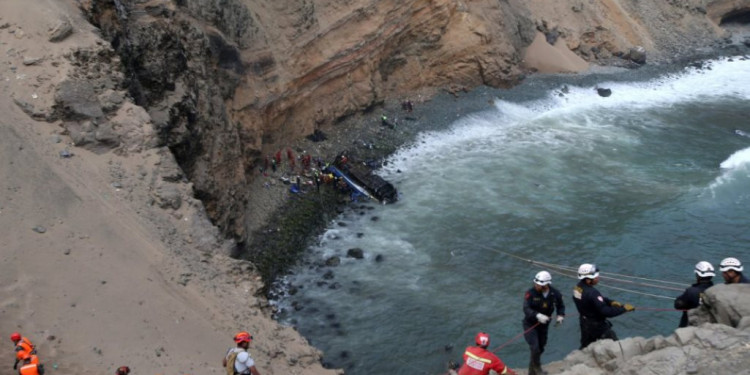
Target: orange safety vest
x: 24, y: 347
x: 29, y: 369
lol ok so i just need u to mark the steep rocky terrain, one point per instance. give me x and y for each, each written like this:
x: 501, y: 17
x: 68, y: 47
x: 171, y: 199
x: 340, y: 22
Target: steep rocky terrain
x: 228, y: 82
x: 126, y: 123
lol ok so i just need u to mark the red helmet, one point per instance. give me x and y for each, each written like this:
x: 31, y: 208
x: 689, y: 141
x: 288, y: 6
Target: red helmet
x: 123, y: 370
x: 482, y: 339
x: 243, y: 337
x: 15, y: 336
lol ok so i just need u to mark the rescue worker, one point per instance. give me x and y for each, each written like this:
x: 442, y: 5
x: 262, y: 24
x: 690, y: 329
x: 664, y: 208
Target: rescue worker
x: 243, y: 363
x: 479, y: 361
x: 122, y: 370
x: 23, y: 347
x: 693, y: 296
x: 539, y: 303
x: 29, y: 367
x: 731, y: 270
x: 593, y: 308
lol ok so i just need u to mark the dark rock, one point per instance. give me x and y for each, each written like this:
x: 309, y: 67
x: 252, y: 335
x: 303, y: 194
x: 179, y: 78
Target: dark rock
x: 603, y: 92
x: 379, y: 258
x: 77, y: 100
x: 355, y: 253
x: 328, y: 275
x: 333, y: 261
x: 66, y: 154
x: 39, y: 229
x: 317, y: 136
x: 374, y: 218
x: 637, y: 55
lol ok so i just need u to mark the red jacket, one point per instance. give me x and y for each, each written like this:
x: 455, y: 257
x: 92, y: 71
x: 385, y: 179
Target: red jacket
x: 479, y: 361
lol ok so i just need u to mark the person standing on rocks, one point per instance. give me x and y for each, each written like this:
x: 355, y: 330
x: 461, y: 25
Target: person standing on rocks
x: 480, y: 361
x: 238, y: 357
x: 693, y: 296
x: 731, y: 270
x: 539, y: 303
x: 593, y: 308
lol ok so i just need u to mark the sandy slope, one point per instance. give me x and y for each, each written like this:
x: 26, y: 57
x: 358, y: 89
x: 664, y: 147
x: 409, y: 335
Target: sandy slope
x: 113, y: 279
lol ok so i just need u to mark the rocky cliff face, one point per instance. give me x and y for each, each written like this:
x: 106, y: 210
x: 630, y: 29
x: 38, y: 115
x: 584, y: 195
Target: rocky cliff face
x: 716, y: 342
x: 228, y: 81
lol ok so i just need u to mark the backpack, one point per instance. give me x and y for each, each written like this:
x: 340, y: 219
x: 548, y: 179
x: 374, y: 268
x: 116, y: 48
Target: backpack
x: 230, y: 361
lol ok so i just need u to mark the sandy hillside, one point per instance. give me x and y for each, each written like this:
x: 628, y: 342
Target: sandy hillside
x: 93, y: 271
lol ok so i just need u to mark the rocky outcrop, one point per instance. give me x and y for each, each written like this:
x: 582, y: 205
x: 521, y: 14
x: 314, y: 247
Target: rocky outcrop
x: 717, y: 342
x: 227, y: 81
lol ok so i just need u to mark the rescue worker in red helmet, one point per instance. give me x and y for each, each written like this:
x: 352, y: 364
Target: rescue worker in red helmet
x: 122, y: 370
x: 593, y: 308
x: 23, y: 347
x: 239, y: 358
x: 539, y: 303
x: 479, y: 361
x: 31, y: 366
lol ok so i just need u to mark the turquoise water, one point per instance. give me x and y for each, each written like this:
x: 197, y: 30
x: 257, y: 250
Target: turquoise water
x: 646, y: 182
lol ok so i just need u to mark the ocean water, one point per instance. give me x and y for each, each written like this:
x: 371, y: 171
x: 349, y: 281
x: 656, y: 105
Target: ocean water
x: 646, y: 182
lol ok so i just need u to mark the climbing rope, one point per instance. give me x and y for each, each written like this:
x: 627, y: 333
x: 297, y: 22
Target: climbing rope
x: 571, y: 272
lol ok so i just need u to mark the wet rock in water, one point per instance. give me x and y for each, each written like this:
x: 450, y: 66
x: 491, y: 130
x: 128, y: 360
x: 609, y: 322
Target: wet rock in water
x: 297, y: 306
x: 360, y: 235
x: 293, y: 290
x: 355, y: 253
x: 39, y: 229
x: 330, y: 316
x: 374, y: 218
x: 344, y: 354
x: 333, y: 261
x: 328, y: 275
x: 379, y: 258
x: 334, y: 286
x: 341, y: 224
x: 604, y: 93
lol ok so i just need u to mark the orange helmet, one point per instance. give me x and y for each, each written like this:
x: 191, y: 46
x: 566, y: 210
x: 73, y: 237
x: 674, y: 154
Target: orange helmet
x: 482, y: 339
x: 15, y: 336
x: 243, y: 337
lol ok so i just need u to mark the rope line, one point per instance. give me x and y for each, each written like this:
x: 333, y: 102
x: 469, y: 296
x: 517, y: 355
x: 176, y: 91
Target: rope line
x: 560, y: 270
x: 515, y: 338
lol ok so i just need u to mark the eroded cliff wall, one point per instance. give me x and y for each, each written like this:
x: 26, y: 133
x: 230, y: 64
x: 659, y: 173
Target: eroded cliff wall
x: 228, y: 81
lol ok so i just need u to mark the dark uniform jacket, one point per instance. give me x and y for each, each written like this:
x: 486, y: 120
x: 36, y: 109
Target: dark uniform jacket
x: 592, y: 305
x: 691, y: 299
x: 535, y: 302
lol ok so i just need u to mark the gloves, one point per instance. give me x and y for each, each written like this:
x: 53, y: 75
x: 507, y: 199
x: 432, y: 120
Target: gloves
x: 560, y: 319
x: 629, y: 307
x: 542, y: 318
x: 615, y: 304
x: 15, y: 366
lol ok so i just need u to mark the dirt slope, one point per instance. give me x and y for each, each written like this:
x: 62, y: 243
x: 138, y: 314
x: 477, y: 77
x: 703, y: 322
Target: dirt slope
x: 109, y: 278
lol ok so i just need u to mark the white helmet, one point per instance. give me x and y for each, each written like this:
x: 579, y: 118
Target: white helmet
x: 704, y: 269
x: 588, y: 271
x: 730, y: 264
x: 543, y: 278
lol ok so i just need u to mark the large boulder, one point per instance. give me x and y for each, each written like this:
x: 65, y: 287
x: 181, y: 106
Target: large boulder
x: 725, y: 304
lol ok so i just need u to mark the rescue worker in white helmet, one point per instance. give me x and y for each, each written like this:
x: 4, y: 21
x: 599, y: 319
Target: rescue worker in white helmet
x: 693, y: 296
x: 731, y: 270
x: 539, y: 303
x: 593, y: 308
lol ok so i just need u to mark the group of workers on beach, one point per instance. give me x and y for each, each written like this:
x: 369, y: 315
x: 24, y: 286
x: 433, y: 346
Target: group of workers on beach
x: 542, y: 301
